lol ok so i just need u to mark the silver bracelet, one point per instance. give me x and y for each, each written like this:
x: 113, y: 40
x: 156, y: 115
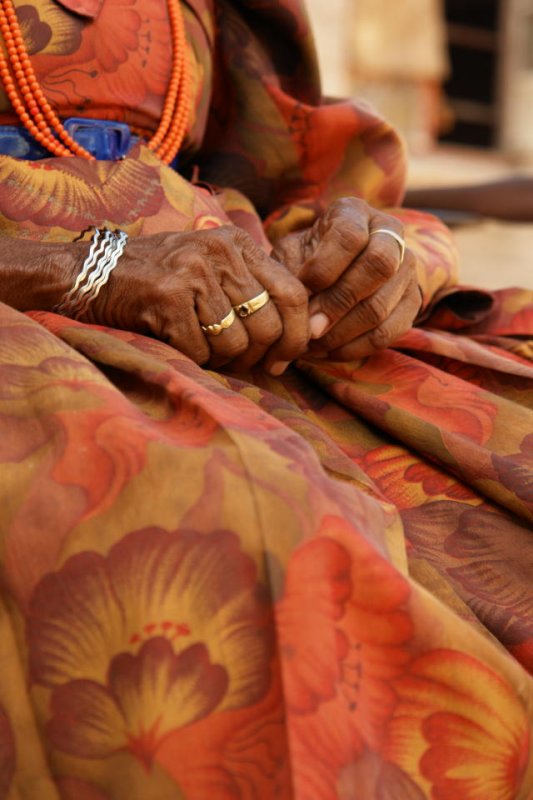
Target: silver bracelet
x: 105, y: 251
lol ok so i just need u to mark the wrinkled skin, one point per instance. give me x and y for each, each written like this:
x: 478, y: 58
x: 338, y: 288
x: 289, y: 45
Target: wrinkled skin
x: 362, y: 298
x: 335, y: 288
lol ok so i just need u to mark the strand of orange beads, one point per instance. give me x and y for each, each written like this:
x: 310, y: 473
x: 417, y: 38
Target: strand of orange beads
x: 36, y: 105
x: 34, y: 111
x: 172, y: 128
x: 176, y: 133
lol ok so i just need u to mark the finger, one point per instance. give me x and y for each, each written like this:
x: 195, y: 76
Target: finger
x: 344, y: 231
x: 212, y: 305
x: 170, y: 316
x: 290, y: 298
x: 399, y: 322
x: 376, y: 265
x: 368, y: 314
x: 181, y: 329
x: 241, y: 285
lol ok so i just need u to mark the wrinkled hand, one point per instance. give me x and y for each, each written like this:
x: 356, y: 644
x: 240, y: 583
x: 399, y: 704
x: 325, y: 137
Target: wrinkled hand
x: 166, y: 285
x: 362, y: 298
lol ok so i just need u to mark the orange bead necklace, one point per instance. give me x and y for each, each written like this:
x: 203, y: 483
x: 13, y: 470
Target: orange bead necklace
x: 41, y: 121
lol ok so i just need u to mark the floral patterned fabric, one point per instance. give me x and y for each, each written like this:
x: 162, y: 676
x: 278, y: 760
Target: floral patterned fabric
x: 245, y: 588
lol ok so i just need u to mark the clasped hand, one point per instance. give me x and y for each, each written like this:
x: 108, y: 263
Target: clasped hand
x: 362, y: 295
x: 335, y: 289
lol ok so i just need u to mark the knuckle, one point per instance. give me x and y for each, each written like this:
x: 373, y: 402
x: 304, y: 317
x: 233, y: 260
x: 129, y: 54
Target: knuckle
x: 383, y: 263
x: 235, y: 346
x: 352, y: 237
x: 375, y: 310
x: 221, y: 241
x: 201, y: 355
x: 350, y: 204
x: 268, y: 334
x: 339, y: 299
x: 199, y: 271
x: 293, y: 294
x: 320, y: 277
x: 380, y: 337
x: 296, y: 346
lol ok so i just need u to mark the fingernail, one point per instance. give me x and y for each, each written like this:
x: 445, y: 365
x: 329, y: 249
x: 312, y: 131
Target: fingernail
x: 318, y: 324
x: 278, y: 368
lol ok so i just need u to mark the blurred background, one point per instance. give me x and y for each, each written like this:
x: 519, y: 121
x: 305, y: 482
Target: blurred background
x: 456, y: 78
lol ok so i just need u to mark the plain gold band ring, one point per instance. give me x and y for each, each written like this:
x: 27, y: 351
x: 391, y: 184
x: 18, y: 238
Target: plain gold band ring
x: 394, y: 235
x: 249, y: 307
x: 217, y: 327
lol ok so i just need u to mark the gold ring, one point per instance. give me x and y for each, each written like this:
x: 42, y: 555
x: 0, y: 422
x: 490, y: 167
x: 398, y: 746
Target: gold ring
x: 251, y: 306
x: 394, y: 235
x: 217, y: 327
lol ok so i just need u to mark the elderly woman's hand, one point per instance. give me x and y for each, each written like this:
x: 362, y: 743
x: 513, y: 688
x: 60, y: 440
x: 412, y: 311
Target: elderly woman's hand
x: 168, y: 285
x: 362, y: 297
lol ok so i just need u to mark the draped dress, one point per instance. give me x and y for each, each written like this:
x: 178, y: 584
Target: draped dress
x: 240, y: 587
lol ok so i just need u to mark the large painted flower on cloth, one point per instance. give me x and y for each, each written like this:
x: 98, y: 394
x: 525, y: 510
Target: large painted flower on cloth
x: 458, y: 730
x: 157, y: 634
x: 344, y: 634
x: 411, y: 392
x: 408, y: 481
x: 126, y: 64
x: 146, y: 697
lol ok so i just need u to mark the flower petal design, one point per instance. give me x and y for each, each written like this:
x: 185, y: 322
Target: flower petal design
x: 477, y: 748
x: 408, y: 481
x: 318, y: 579
x: 75, y: 196
x: 187, y: 587
x: 343, y: 633
x: 146, y: 696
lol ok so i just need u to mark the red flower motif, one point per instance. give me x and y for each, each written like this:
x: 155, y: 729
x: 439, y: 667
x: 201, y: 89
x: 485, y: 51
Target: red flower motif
x: 341, y: 599
x: 129, y: 63
x: 409, y: 387
x: 407, y: 481
x: 343, y: 634
x: 474, y: 749
x: 114, y: 433
x: 134, y: 645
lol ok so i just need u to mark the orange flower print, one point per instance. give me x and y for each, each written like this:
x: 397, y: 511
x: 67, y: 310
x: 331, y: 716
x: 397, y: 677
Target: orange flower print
x: 407, y: 481
x: 343, y: 634
x: 424, y: 392
x: 341, y: 599
x: 157, y: 634
x: 313, y: 646
x: 7, y: 755
x: 126, y: 62
x: 475, y: 749
x: 114, y: 434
